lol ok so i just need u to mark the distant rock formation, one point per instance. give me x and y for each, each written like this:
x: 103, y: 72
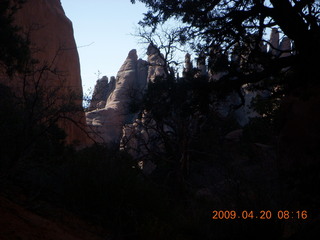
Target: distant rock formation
x: 106, y: 123
x: 111, y: 103
x: 58, y: 70
x: 102, y: 91
x: 243, y: 114
x: 187, y: 65
x: 201, y: 65
x: 135, y: 135
x: 156, y: 63
x: 274, y: 41
x: 285, y: 46
x: 111, y: 120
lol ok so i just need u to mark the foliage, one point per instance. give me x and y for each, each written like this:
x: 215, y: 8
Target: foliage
x: 173, y: 113
x: 31, y: 108
x: 25, y: 134
x: 104, y: 186
x: 183, y: 97
x: 87, y: 98
x: 14, y: 48
x: 240, y: 25
x: 165, y: 38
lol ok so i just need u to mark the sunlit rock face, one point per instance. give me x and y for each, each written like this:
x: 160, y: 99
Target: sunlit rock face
x: 106, y: 123
x: 57, y: 67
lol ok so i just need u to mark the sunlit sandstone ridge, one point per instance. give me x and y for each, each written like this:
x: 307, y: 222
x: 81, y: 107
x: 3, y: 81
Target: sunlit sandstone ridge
x: 106, y: 121
x: 52, y: 44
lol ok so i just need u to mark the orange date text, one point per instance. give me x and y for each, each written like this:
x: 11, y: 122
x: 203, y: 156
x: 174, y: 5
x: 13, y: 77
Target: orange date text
x: 261, y: 215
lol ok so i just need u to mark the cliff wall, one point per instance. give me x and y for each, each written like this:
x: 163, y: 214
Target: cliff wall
x: 54, y: 69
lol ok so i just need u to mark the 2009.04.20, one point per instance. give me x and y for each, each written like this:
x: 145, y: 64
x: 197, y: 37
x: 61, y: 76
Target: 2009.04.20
x: 262, y: 215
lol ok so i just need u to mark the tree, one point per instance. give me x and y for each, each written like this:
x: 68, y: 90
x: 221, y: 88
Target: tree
x: 242, y: 24
x: 239, y: 26
x: 34, y: 107
x: 31, y: 112
x: 172, y: 115
x: 164, y: 41
x: 14, y: 48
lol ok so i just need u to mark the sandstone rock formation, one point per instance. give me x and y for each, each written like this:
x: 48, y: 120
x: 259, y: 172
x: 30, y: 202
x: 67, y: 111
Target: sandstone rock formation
x: 140, y: 139
x: 156, y: 63
x: 57, y: 70
x: 102, y: 91
x: 278, y: 48
x: 187, y: 65
x: 285, y: 45
x: 274, y: 41
x: 201, y: 64
x: 106, y: 123
x: 114, y: 121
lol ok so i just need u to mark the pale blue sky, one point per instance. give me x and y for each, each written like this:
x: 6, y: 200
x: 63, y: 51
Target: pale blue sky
x: 102, y: 31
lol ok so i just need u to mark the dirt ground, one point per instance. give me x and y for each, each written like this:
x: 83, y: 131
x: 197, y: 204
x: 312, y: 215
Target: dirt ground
x: 19, y: 223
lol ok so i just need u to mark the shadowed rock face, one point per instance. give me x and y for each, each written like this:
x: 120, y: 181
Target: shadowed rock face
x: 156, y: 63
x: 102, y: 91
x: 106, y: 123
x: 53, y: 46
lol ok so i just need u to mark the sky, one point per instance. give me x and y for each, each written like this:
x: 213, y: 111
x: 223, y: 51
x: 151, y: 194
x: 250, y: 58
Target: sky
x: 102, y: 30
